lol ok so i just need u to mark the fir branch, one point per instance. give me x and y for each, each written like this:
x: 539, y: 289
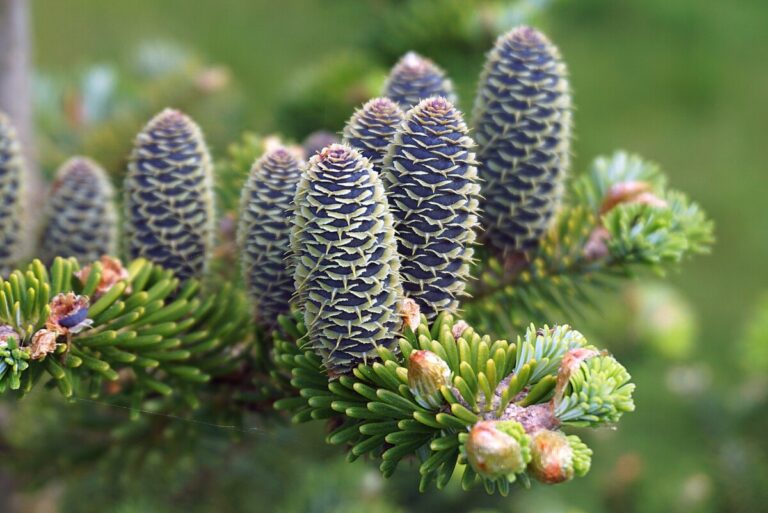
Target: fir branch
x: 619, y: 219
x: 520, y: 389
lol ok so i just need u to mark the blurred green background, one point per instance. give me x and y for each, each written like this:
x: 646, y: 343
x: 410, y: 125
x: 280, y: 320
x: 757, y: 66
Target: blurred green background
x: 681, y: 82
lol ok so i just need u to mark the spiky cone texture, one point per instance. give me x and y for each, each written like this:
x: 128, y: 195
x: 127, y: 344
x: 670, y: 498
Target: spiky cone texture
x: 346, y: 274
x: 415, y: 78
x: 11, y: 196
x: 168, y: 196
x: 374, y: 412
x: 522, y: 123
x: 80, y: 217
x: 431, y: 179
x: 371, y: 129
x: 263, y: 233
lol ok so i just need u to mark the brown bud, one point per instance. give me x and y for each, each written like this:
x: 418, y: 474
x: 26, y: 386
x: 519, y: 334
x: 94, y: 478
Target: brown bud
x: 630, y: 192
x: 7, y: 332
x: 459, y: 328
x: 411, y: 313
x: 112, y: 272
x: 570, y: 364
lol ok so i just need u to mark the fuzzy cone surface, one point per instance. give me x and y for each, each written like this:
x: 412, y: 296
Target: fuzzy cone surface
x: 168, y: 196
x: 11, y: 206
x: 522, y: 121
x: 264, y: 233
x: 346, y: 259
x: 433, y: 193
x: 80, y: 218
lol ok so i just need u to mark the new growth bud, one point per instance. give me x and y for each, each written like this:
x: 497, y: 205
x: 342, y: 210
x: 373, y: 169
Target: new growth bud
x: 427, y: 372
x: 498, y: 449
x: 551, y: 457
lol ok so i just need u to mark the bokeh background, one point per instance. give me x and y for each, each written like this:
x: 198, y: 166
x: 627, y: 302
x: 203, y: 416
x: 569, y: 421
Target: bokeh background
x: 681, y: 82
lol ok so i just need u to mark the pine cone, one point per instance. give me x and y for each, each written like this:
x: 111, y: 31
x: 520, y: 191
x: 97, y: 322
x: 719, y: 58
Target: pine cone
x: 371, y: 129
x: 11, y: 188
x: 522, y: 121
x: 263, y: 233
x: 169, y: 197
x: 346, y: 259
x: 80, y: 217
x: 431, y: 178
x: 415, y: 78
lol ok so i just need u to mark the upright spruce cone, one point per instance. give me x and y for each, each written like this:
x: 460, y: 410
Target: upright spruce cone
x: 80, y: 217
x: 11, y: 202
x: 263, y: 233
x: 522, y: 122
x: 346, y: 259
x: 169, y: 197
x: 371, y: 129
x: 415, y: 78
x: 431, y: 178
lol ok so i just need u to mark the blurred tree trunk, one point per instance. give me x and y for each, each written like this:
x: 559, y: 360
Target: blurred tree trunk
x: 16, y: 84
x: 16, y: 101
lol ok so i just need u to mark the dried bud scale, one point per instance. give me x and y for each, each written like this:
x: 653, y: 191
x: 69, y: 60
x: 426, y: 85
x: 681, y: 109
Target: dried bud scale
x: 415, y: 78
x: 11, y: 189
x: 263, y: 233
x: 431, y: 178
x: 522, y: 121
x: 80, y: 217
x: 371, y: 129
x: 112, y: 272
x: 346, y: 259
x: 169, y: 197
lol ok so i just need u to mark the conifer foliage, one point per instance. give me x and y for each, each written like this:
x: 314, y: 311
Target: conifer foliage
x: 360, y: 265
